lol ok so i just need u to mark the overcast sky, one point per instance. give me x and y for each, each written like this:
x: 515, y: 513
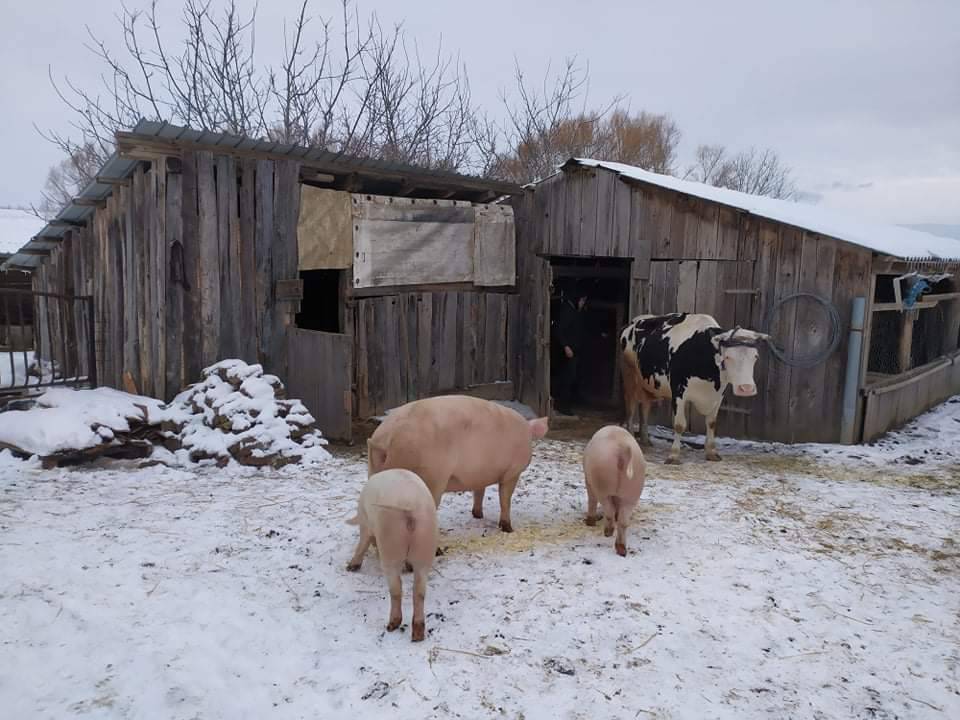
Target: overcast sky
x: 862, y: 99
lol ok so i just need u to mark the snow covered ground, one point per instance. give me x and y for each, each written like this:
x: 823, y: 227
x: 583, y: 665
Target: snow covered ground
x: 813, y: 582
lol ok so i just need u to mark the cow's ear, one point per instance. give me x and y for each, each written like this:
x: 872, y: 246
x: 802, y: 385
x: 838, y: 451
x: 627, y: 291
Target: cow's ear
x: 719, y: 338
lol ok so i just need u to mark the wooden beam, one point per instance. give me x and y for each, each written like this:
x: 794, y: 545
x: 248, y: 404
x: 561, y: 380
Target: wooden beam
x: 67, y: 223
x: 21, y: 268
x: 315, y: 176
x: 41, y: 252
x: 886, y: 307
x: 431, y: 288
x: 906, y: 340
x: 133, y: 146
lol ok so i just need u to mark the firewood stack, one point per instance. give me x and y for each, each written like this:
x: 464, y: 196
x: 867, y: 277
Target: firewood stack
x: 239, y: 412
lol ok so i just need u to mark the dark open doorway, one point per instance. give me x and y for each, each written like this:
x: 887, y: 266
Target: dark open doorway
x: 606, y: 283
x: 321, y: 308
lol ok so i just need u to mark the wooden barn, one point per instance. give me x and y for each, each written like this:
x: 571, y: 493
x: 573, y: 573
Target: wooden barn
x: 365, y: 284
x: 362, y: 284
x: 647, y: 243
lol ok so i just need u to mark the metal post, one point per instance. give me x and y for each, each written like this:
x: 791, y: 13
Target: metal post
x: 848, y: 420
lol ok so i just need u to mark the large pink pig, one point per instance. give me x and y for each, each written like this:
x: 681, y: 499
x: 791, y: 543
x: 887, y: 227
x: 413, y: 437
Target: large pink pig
x: 615, y: 469
x: 397, y: 511
x: 458, y: 444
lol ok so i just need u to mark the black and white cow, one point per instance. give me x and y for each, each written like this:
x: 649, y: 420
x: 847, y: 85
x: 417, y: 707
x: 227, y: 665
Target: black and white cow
x: 689, y: 360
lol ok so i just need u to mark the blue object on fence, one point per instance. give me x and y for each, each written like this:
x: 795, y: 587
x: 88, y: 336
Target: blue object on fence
x: 914, y: 292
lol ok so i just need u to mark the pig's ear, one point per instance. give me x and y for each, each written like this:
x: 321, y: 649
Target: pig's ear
x: 538, y: 427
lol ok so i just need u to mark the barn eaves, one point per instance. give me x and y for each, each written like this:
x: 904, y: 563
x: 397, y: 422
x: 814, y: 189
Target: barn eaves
x: 150, y: 139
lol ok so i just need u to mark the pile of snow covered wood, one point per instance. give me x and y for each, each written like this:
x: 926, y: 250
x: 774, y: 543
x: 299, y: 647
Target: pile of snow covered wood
x: 236, y: 413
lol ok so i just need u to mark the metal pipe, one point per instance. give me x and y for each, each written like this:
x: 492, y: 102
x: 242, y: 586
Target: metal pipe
x: 848, y: 420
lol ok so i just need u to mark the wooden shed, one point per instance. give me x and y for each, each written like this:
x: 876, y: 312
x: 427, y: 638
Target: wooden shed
x: 648, y: 243
x: 362, y: 284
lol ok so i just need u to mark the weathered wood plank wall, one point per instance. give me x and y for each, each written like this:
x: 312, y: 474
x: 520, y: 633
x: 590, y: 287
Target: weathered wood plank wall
x: 693, y: 255
x: 182, y: 261
x: 417, y: 344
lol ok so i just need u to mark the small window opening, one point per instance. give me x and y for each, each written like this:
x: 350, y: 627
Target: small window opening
x: 321, y: 306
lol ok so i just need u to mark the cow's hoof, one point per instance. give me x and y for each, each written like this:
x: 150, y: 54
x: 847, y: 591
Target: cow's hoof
x: 353, y: 567
x: 419, y: 632
x: 621, y: 549
x: 714, y: 457
x: 672, y: 461
x: 506, y: 526
x: 394, y: 624
x: 590, y: 520
x: 477, y: 515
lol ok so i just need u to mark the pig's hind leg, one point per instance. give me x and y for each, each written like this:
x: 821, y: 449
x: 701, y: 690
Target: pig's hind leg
x: 396, y: 595
x: 609, y: 515
x: 419, y: 629
x: 507, y: 485
x: 478, y: 503
x: 591, y: 518
x: 365, y: 539
x: 623, y: 521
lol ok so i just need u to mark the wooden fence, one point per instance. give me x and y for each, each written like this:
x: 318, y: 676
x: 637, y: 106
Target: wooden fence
x: 891, y: 403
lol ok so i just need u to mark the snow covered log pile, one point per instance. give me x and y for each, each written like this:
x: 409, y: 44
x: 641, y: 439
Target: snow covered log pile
x: 239, y: 412
x: 70, y: 426
x: 235, y: 413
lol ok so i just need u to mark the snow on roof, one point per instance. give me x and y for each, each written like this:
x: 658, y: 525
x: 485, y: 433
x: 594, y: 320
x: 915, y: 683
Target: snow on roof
x: 16, y: 228
x: 887, y: 239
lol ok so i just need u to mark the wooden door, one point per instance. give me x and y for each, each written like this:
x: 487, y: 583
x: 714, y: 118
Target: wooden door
x: 319, y: 374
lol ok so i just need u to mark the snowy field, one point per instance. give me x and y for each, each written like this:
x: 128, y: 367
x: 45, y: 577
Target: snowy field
x: 812, y: 582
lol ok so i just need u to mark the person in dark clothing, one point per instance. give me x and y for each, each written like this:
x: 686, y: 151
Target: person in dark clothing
x: 568, y: 338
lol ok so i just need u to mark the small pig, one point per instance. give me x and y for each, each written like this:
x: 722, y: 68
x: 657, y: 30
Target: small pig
x: 457, y: 444
x: 615, y: 469
x: 397, y: 512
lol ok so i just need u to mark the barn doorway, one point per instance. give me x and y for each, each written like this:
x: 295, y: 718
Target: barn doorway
x: 606, y: 284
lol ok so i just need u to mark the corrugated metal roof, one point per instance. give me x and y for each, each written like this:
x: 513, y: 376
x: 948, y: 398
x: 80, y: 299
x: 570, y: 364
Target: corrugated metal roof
x: 116, y: 169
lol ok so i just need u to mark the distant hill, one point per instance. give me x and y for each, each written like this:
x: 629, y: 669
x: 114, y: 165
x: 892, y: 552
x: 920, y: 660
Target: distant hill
x: 950, y: 231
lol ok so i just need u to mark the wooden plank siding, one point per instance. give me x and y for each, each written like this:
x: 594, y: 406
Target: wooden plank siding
x: 419, y: 344
x: 687, y: 254
x: 181, y: 261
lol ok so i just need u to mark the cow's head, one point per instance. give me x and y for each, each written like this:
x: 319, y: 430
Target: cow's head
x: 736, y: 354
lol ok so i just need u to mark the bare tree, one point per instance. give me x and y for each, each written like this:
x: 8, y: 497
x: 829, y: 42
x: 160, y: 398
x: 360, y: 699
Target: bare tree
x: 65, y: 178
x: 753, y: 171
x: 544, y: 125
x: 342, y: 84
x: 646, y: 140
x: 708, y: 162
x: 549, y: 124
